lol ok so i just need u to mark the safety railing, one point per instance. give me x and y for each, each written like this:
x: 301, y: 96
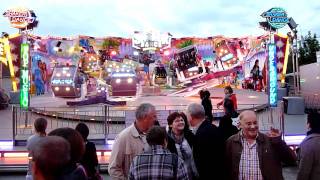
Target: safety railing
x: 106, y: 121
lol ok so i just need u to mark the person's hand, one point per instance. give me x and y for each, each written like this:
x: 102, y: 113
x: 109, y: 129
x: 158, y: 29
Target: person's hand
x: 274, y: 132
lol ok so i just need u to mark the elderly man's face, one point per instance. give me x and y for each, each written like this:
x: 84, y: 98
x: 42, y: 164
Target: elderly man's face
x: 150, y: 119
x: 249, y: 125
x: 190, y: 120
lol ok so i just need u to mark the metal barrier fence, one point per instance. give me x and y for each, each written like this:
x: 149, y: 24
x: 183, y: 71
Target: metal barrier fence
x: 23, y: 120
x: 311, y: 101
x: 105, y: 122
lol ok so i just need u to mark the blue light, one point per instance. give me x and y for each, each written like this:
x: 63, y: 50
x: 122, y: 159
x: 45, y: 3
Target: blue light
x: 62, y: 81
x: 227, y: 57
x: 273, y: 79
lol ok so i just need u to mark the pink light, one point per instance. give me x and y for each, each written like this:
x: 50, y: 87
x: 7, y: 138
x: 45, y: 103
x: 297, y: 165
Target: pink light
x: 166, y: 53
x: 113, y: 53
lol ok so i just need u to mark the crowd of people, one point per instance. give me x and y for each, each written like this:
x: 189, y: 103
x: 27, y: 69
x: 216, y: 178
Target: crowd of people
x: 190, y: 147
x: 146, y: 151
x: 63, y: 154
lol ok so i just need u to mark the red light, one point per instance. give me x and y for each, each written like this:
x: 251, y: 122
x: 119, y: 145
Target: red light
x: 113, y: 53
x: 166, y: 53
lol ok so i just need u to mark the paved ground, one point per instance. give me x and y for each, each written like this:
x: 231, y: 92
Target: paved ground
x: 22, y: 176
x: 288, y: 173
x: 246, y: 99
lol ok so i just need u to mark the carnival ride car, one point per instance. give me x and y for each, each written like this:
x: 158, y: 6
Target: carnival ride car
x: 188, y: 64
x: 66, y: 81
x: 123, y: 83
x: 4, y: 99
x: 226, y: 53
x: 159, y: 75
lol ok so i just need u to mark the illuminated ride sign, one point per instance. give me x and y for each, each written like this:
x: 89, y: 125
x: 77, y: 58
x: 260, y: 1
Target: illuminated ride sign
x: 19, y: 18
x: 276, y: 17
x: 273, y: 78
x: 151, y: 40
x: 24, y: 76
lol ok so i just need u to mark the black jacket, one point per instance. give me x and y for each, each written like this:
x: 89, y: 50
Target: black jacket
x: 207, y: 105
x: 208, y: 149
x: 89, y: 159
x: 228, y: 131
x: 171, y: 143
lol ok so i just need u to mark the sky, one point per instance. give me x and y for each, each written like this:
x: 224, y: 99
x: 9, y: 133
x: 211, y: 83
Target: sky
x: 200, y: 18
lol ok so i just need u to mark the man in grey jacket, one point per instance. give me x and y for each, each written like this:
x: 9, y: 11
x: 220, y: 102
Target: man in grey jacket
x: 309, y: 154
x: 131, y: 142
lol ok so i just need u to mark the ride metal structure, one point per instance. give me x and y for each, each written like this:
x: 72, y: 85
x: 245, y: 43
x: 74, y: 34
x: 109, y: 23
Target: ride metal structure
x: 276, y: 18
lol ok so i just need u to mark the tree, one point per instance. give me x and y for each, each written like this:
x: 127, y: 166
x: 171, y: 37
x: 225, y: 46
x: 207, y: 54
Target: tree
x: 185, y: 44
x: 110, y: 44
x: 309, y: 47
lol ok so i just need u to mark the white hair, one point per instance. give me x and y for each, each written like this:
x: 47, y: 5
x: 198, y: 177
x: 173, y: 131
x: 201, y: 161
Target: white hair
x: 143, y: 110
x: 196, y: 111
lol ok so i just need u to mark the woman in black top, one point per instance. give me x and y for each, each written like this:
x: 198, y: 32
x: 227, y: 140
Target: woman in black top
x: 180, y: 141
x: 206, y: 103
x: 89, y: 159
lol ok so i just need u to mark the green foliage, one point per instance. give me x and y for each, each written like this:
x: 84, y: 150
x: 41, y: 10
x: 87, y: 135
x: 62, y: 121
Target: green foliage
x: 110, y: 44
x: 307, y: 52
x: 185, y: 44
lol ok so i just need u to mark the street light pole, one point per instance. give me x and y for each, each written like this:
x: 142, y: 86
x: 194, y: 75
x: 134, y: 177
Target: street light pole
x: 297, y: 65
x: 293, y: 67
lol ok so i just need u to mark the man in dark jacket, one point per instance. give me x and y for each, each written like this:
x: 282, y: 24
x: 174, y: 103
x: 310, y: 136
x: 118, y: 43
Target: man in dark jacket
x: 208, y: 144
x: 309, y: 156
x: 253, y: 155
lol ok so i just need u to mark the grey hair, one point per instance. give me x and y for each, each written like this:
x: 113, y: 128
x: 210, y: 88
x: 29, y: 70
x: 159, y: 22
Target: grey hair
x: 143, y: 110
x: 196, y: 111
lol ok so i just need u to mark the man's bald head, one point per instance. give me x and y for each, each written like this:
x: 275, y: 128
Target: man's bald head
x: 249, y: 124
x: 247, y: 114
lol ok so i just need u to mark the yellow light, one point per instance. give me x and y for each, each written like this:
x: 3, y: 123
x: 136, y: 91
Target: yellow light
x: 58, y: 74
x: 71, y: 49
x: 64, y: 72
x: 130, y: 80
x: 7, y: 51
x: 317, y: 77
x: 285, y: 63
x: 56, y: 88
x: 118, y: 81
x: 67, y: 88
x: 20, y: 154
x: 68, y: 75
x: 225, y: 51
x: 252, y: 97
